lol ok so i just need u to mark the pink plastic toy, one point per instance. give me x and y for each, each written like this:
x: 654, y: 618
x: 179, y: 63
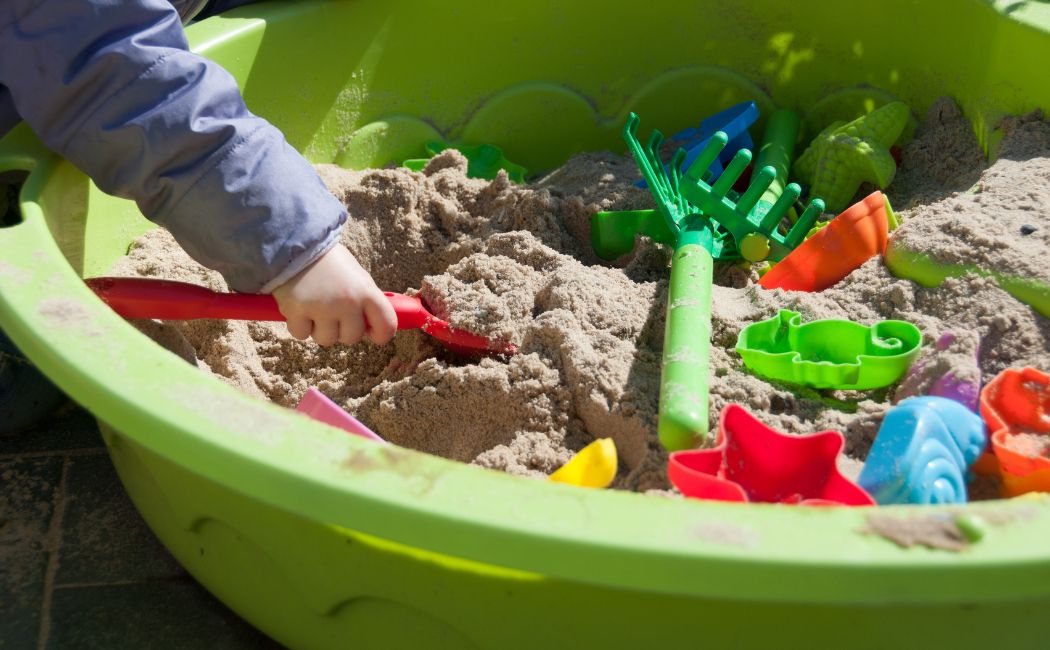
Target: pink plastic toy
x: 753, y: 462
x: 322, y: 409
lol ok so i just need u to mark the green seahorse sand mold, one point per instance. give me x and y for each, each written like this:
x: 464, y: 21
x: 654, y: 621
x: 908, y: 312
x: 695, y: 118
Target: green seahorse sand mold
x: 830, y: 353
x: 846, y: 154
x: 483, y: 161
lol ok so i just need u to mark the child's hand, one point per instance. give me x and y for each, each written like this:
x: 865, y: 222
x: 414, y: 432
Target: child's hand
x: 334, y: 299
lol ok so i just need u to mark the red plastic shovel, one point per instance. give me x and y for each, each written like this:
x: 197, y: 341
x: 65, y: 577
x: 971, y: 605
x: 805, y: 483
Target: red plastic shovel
x: 169, y: 300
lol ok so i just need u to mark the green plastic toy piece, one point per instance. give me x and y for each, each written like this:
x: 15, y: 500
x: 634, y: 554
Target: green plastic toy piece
x: 848, y: 104
x: 776, y: 151
x: 892, y: 220
x: 684, y: 406
x: 664, y: 185
x: 844, y: 155
x: 706, y: 225
x: 483, y: 161
x: 829, y: 353
x: 754, y: 219
x: 904, y: 262
x: 613, y: 232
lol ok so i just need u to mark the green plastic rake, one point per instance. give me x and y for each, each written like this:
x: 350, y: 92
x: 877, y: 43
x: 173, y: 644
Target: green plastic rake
x: 704, y: 225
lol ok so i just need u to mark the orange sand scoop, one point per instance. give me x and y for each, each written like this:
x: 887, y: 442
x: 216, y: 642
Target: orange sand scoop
x: 834, y: 251
x: 1016, y: 407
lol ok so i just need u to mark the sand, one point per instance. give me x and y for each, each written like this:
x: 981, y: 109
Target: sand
x: 1002, y: 219
x: 515, y: 262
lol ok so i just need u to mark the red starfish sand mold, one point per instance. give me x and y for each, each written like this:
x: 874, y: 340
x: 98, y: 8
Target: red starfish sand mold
x: 753, y: 462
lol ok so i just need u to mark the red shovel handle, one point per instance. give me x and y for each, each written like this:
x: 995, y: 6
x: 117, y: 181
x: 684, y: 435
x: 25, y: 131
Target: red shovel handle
x: 148, y: 298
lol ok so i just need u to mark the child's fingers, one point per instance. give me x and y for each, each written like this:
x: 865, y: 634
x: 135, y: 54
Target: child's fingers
x: 382, y: 321
x: 326, y: 332
x: 300, y: 327
x: 351, y: 327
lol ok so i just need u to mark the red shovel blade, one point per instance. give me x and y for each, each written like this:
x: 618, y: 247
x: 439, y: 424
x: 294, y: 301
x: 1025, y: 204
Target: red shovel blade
x: 147, y: 298
x: 411, y: 311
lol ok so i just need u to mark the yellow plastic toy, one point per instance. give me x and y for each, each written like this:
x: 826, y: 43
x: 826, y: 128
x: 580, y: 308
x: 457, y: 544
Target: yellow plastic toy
x: 593, y: 466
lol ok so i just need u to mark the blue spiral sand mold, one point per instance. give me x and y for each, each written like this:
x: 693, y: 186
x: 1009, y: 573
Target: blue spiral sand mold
x: 922, y: 452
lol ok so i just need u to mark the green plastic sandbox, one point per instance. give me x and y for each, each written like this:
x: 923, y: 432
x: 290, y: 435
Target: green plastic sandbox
x: 324, y: 540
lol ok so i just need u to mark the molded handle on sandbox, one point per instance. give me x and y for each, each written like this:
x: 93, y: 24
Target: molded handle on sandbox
x: 687, y: 342
x: 21, y: 150
x: 148, y: 298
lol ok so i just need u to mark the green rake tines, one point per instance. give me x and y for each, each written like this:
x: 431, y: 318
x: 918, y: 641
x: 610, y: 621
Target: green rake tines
x: 754, y: 219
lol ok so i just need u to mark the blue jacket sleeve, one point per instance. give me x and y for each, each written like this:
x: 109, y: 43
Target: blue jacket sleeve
x: 111, y: 86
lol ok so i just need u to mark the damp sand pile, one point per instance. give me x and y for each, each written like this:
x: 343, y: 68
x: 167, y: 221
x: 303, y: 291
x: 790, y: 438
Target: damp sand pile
x: 514, y: 262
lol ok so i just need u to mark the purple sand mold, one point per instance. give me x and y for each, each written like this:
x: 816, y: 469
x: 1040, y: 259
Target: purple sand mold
x: 965, y: 391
